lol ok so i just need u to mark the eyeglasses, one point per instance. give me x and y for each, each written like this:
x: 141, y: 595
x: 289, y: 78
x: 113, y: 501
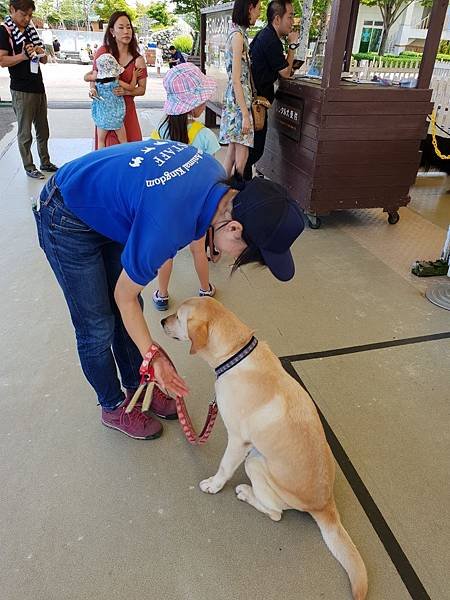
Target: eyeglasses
x: 214, y: 254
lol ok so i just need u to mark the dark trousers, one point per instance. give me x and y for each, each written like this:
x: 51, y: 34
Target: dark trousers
x: 257, y: 151
x: 87, y: 266
x: 31, y: 109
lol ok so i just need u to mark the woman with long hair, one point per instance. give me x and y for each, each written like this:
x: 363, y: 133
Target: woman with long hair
x: 236, y: 126
x: 120, y: 41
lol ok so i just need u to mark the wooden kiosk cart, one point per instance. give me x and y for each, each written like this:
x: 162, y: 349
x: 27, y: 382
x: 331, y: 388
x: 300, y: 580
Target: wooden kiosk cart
x: 336, y: 144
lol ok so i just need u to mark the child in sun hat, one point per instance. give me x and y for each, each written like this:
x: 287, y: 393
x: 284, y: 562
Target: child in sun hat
x: 108, y: 110
x: 187, y: 90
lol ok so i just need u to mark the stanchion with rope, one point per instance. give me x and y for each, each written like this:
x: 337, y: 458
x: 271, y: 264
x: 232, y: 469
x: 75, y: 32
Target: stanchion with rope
x: 437, y: 293
x: 433, y: 138
x: 148, y: 381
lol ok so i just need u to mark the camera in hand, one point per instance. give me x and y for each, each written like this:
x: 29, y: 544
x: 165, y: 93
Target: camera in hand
x: 28, y: 43
x: 297, y: 64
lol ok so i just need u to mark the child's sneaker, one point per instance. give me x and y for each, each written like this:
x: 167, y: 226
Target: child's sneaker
x: 160, y: 302
x: 210, y: 292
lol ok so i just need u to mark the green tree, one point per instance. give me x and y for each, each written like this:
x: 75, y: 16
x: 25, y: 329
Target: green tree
x: 296, y: 4
x: 391, y: 11
x: 4, y: 8
x: 141, y: 9
x: 319, y: 9
x: 159, y: 12
x: 71, y: 12
x: 47, y: 11
x: 105, y: 8
x: 191, y: 8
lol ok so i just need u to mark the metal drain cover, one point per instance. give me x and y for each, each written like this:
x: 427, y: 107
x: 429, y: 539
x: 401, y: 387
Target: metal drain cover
x: 439, y: 294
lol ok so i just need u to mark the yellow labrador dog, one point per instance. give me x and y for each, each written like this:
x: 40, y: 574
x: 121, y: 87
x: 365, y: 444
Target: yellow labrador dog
x: 272, y: 424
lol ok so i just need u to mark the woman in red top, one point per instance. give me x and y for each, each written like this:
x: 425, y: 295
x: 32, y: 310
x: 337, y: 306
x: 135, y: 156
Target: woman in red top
x: 120, y: 41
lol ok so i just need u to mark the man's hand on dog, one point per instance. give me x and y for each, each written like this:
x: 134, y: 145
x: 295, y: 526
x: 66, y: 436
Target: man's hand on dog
x: 167, y: 378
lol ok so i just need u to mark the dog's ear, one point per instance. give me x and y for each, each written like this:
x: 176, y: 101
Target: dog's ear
x: 198, y: 334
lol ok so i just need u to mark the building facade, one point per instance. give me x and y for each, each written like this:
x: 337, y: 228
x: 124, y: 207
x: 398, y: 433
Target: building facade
x: 408, y: 33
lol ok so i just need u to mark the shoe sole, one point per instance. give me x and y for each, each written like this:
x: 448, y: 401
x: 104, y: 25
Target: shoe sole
x: 161, y: 308
x: 134, y: 437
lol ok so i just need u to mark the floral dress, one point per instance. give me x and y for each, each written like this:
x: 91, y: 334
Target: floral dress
x: 231, y: 121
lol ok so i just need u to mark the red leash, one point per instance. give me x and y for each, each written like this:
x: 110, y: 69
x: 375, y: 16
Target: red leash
x: 147, y: 373
x: 186, y: 423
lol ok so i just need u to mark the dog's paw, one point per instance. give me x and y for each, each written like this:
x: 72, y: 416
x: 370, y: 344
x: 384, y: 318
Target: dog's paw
x: 274, y: 515
x: 243, y: 492
x: 210, y: 485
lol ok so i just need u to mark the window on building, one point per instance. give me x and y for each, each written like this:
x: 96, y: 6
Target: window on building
x: 371, y: 36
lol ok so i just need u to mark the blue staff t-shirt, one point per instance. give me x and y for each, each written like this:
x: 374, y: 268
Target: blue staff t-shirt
x: 154, y: 197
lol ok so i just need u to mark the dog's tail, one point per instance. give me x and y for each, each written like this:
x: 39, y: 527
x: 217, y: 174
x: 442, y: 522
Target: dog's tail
x: 342, y: 548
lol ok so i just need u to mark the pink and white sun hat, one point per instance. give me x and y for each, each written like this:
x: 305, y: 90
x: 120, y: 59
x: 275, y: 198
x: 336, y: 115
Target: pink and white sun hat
x: 186, y: 88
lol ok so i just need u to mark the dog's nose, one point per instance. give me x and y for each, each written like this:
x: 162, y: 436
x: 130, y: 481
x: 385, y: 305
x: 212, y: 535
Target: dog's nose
x: 163, y: 321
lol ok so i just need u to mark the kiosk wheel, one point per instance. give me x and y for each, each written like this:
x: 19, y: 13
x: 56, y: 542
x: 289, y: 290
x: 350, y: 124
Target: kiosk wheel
x: 393, y: 218
x: 314, y: 222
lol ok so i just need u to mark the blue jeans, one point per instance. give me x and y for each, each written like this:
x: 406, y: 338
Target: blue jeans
x: 87, y: 266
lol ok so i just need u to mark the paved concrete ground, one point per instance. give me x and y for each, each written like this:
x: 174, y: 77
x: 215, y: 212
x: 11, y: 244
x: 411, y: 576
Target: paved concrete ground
x: 86, y: 513
x: 65, y: 83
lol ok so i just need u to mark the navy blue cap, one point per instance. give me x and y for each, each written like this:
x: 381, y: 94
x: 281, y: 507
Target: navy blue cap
x: 271, y: 222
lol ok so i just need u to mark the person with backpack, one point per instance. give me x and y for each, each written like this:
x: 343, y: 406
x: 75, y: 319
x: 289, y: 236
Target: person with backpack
x: 187, y: 90
x: 21, y: 51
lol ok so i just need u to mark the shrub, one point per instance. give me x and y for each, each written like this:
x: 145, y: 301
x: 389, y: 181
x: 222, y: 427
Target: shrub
x: 404, y: 59
x: 364, y: 56
x: 388, y: 60
x: 444, y: 47
x: 157, y: 27
x: 159, y: 12
x: 183, y: 43
x: 252, y: 31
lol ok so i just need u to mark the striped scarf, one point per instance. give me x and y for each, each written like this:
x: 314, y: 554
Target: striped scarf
x: 28, y: 36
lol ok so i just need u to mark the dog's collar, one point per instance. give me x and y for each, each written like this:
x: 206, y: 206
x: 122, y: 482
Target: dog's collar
x: 236, y: 358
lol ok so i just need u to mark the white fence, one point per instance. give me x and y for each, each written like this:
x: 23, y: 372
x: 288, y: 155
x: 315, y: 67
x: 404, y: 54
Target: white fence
x: 440, y: 83
x: 73, y: 41
x: 367, y: 70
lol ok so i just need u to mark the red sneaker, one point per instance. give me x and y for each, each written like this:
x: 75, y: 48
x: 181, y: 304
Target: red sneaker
x: 162, y: 406
x: 136, y: 424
